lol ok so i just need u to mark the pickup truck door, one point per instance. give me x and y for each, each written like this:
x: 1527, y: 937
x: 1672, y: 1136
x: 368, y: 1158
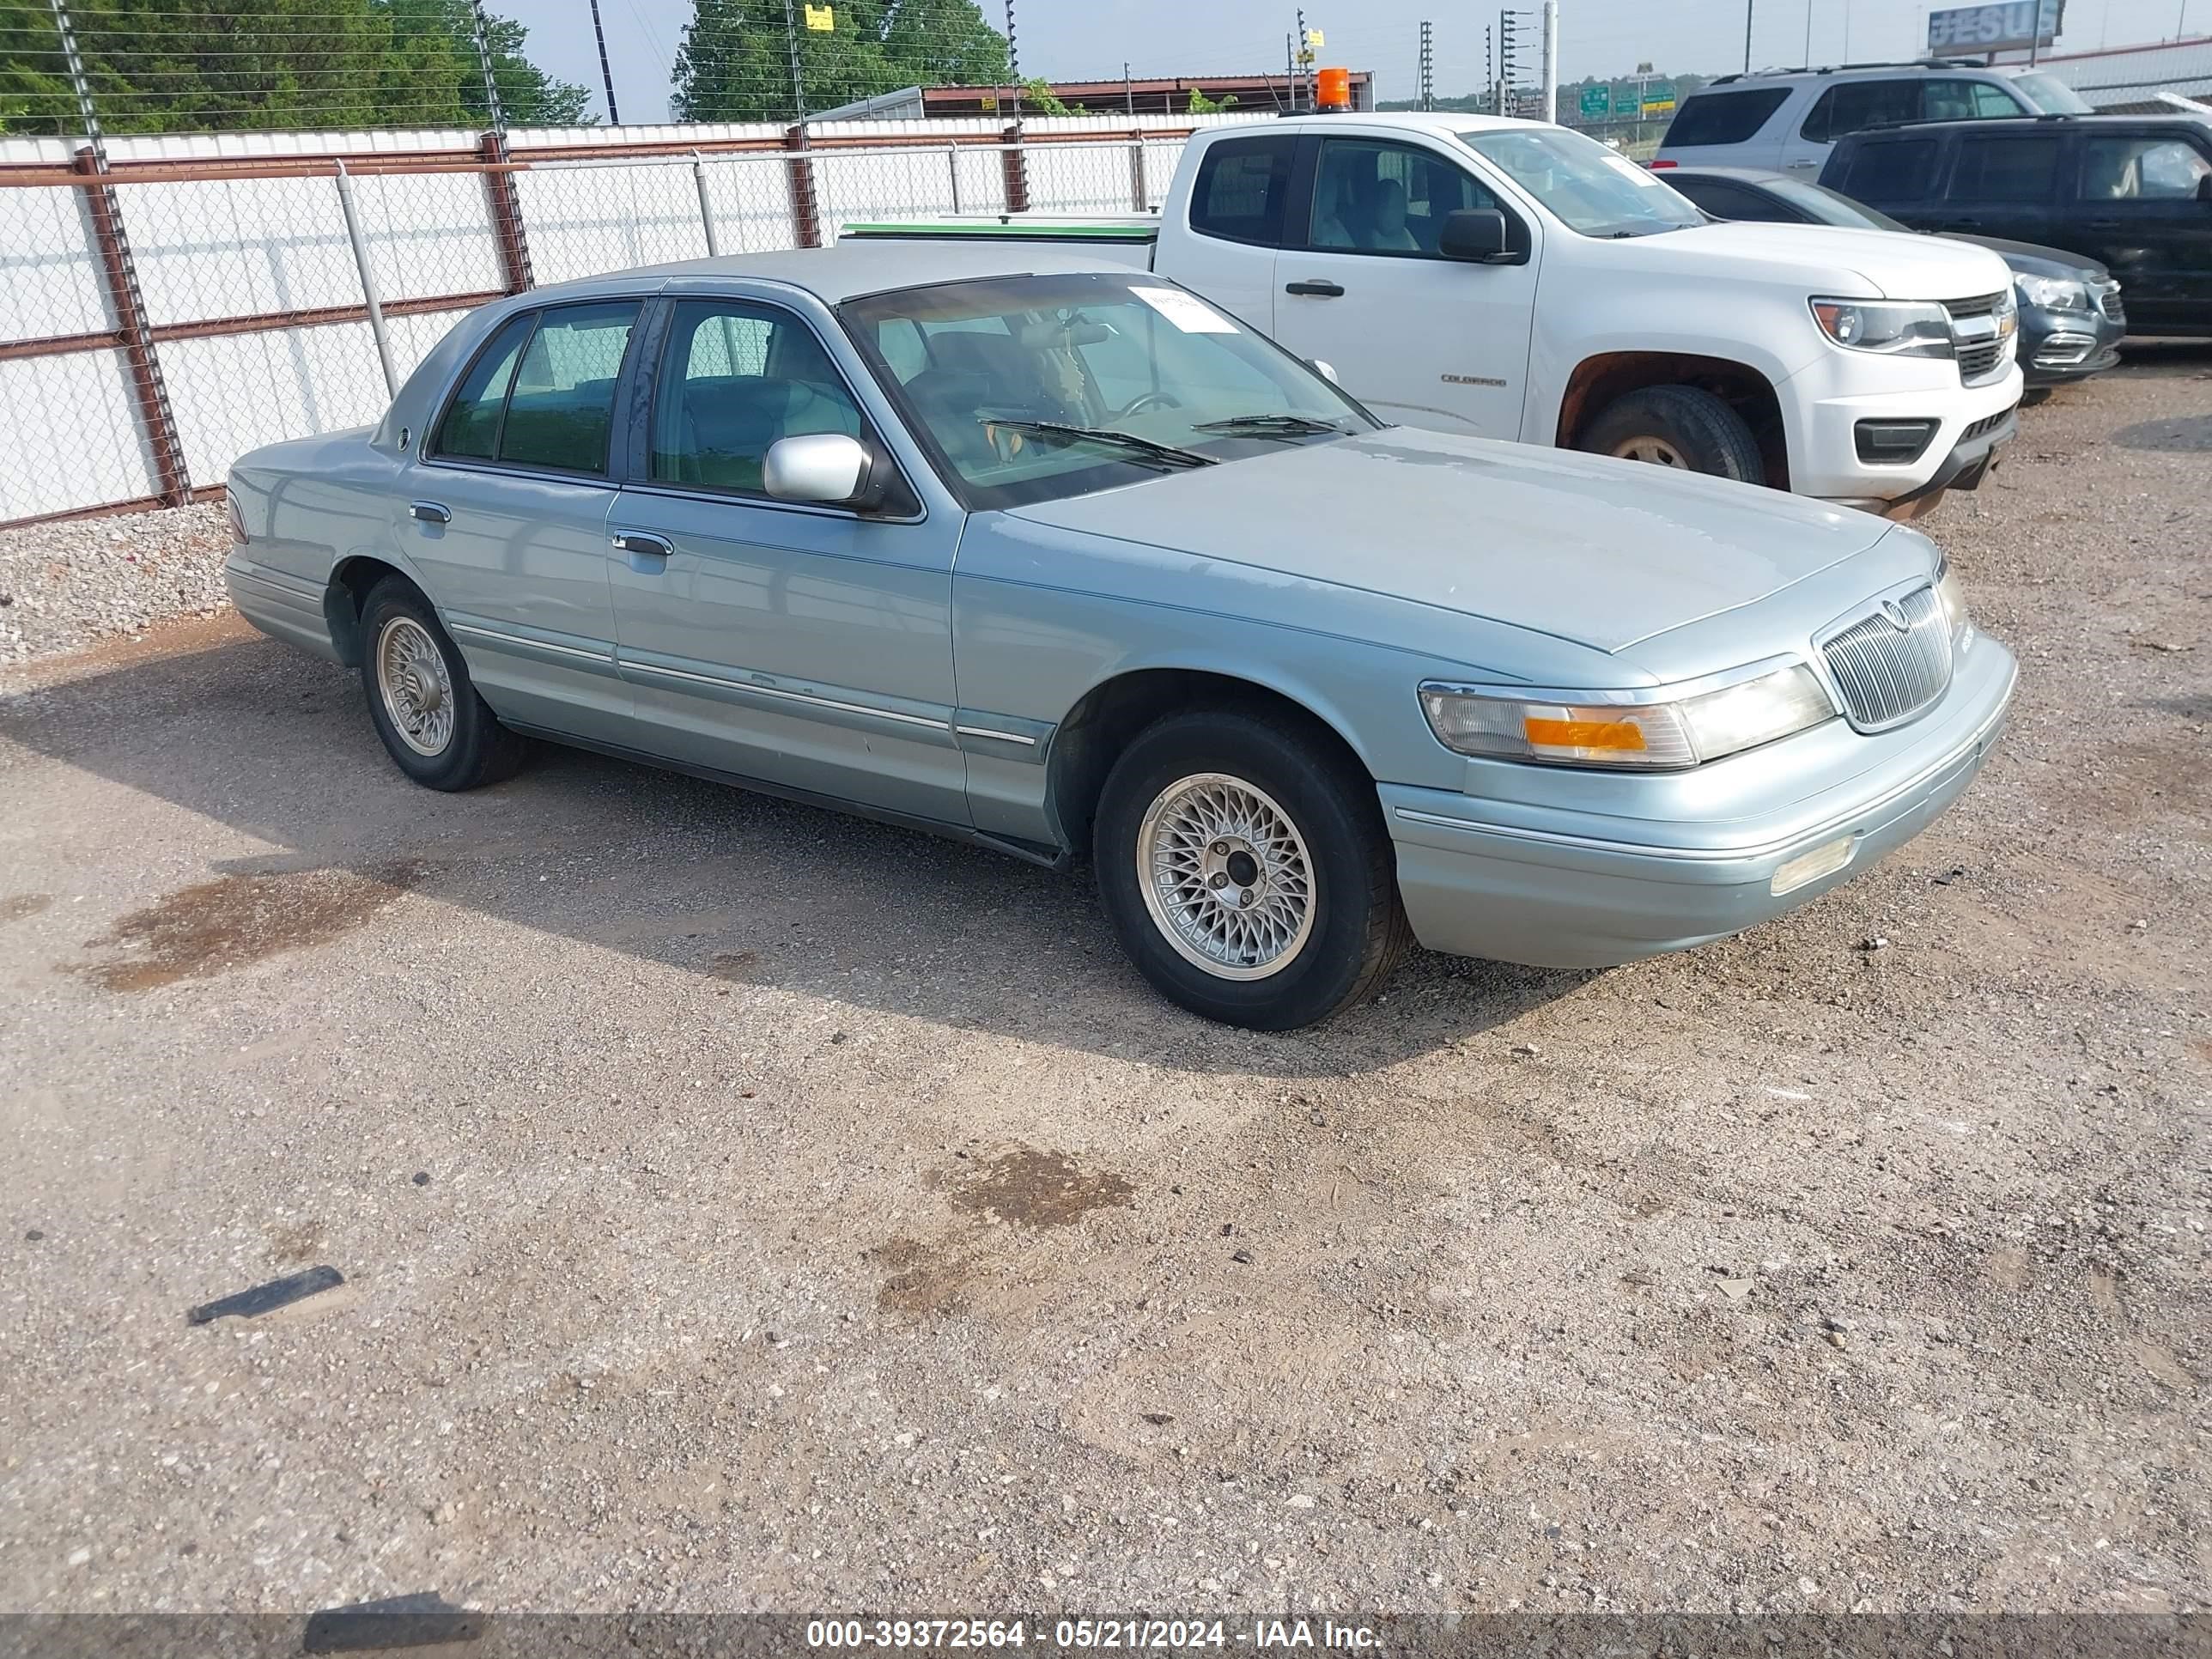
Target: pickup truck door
x: 807, y: 647
x: 1421, y: 339
x: 2141, y: 202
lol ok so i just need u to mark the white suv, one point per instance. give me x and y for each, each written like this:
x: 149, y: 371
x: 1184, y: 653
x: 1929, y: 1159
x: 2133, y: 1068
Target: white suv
x: 1790, y: 118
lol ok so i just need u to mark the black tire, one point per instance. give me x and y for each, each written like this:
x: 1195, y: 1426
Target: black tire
x: 476, y: 749
x: 1707, y: 435
x: 1357, y: 931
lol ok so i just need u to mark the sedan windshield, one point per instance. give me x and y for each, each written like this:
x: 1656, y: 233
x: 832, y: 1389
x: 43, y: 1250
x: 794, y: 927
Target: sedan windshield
x: 1831, y: 207
x: 1587, y: 186
x: 1032, y: 388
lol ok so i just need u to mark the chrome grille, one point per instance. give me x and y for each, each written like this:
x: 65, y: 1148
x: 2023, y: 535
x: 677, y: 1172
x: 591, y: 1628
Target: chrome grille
x: 1981, y: 331
x: 1887, y: 674
x: 1976, y: 361
x: 1980, y: 305
x: 2108, y: 301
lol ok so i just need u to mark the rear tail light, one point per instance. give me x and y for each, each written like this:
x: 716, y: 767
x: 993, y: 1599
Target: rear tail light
x: 237, y: 518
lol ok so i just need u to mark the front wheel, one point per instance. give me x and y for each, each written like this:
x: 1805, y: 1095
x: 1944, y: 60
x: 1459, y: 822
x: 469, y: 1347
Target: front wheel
x: 1677, y: 426
x: 1244, y: 867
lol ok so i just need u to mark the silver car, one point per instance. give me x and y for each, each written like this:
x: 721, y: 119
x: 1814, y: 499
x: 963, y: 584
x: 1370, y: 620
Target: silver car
x: 1064, y: 560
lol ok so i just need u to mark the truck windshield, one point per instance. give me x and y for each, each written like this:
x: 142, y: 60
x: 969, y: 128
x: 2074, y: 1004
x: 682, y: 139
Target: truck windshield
x: 1032, y: 388
x: 1587, y: 186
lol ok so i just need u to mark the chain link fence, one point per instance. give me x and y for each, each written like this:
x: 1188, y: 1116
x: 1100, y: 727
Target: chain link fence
x: 162, y: 318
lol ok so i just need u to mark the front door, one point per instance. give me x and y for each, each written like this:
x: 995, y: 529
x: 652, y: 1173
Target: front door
x: 505, y: 518
x: 2143, y: 206
x: 1420, y: 338
x: 807, y: 647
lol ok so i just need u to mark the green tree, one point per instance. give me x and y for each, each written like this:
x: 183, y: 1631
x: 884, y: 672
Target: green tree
x: 172, y: 66
x: 1202, y: 105
x: 734, y: 64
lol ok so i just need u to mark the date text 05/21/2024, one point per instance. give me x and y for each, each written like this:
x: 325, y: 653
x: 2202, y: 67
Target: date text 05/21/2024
x: 1134, y: 1634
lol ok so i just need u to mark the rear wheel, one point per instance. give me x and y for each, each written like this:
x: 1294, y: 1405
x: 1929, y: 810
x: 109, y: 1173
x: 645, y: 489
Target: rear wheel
x: 1245, y: 868
x: 1677, y: 426
x: 435, y: 727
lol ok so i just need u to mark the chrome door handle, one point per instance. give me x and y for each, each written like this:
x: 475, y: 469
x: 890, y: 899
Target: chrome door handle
x: 642, y: 548
x: 431, y: 512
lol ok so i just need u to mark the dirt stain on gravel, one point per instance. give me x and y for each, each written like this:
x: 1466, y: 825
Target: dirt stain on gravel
x: 737, y: 966
x: 14, y: 909
x: 296, y: 1241
x: 216, y: 926
x: 920, y: 1279
x: 1033, y: 1188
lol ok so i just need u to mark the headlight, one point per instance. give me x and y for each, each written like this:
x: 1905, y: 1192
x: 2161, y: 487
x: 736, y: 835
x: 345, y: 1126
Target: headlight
x: 2053, y: 293
x: 1647, y: 736
x: 1952, y: 599
x: 1900, y: 328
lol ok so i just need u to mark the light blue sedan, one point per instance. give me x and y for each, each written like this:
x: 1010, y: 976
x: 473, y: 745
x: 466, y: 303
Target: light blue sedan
x: 1061, y: 559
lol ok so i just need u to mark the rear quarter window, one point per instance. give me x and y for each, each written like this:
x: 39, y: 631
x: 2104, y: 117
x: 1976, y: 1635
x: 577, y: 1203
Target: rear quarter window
x: 1723, y: 118
x: 1241, y: 186
x: 1889, y: 172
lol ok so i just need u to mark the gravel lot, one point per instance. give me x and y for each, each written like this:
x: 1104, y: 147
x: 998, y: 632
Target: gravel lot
x: 742, y: 1207
x: 63, y: 586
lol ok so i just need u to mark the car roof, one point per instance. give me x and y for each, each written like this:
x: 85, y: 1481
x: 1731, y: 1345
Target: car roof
x: 848, y: 269
x: 1747, y: 175
x: 1860, y: 71
x: 2023, y: 124
x: 1416, y: 120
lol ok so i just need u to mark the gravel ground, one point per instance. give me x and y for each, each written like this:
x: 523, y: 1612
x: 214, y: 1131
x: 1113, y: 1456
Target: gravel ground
x: 742, y: 1207
x: 63, y: 586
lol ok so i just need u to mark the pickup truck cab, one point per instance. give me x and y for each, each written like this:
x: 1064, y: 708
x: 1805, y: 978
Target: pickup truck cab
x: 1512, y: 279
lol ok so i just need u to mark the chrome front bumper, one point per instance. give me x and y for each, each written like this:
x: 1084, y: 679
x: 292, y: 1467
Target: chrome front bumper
x: 1573, y: 889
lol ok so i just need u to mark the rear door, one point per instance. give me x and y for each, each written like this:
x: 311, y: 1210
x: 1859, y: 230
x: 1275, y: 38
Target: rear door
x: 1846, y: 108
x: 1420, y: 338
x: 2142, y: 202
x: 2001, y: 183
x: 505, y: 516
x: 1901, y: 174
x: 1226, y: 249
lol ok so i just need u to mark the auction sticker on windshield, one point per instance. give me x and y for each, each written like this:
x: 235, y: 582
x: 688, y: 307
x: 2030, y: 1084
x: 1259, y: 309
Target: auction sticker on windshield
x: 1186, y: 311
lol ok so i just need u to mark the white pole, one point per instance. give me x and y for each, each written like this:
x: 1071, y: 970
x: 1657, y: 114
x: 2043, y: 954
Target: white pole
x: 1551, y: 60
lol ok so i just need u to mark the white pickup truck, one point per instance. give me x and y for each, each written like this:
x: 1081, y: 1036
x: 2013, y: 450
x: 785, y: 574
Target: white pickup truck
x: 1517, y: 280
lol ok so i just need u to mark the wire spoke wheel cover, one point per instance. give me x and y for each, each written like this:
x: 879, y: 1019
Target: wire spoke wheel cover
x: 417, y: 690
x: 1657, y: 450
x: 1226, y: 876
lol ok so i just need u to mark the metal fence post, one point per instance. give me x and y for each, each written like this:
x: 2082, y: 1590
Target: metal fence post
x: 1136, y: 191
x: 124, y: 295
x: 791, y: 45
x: 952, y: 165
x: 706, y: 205
x: 1013, y: 165
x: 370, y: 298
x: 506, y: 205
x: 805, y: 212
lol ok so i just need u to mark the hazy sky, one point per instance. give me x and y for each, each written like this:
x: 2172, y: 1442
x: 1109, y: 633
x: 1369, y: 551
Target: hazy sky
x: 1073, y: 40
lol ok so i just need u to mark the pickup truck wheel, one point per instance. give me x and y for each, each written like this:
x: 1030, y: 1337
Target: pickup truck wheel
x: 1246, y: 869
x: 1677, y: 426
x: 421, y: 700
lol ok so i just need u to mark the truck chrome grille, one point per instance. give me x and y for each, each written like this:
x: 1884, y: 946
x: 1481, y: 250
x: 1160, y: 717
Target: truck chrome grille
x: 1980, y: 305
x: 1981, y: 334
x: 1888, y: 672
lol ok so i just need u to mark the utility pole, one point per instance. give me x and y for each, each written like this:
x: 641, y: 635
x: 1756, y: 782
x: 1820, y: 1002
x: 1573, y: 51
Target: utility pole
x: 606, y: 75
x: 1489, y: 65
x: 1305, y: 60
x: 1129, y: 87
x: 1552, y: 59
x: 1291, y: 72
x: 1505, y: 21
x: 790, y: 48
x: 1747, y: 35
x: 1428, y: 66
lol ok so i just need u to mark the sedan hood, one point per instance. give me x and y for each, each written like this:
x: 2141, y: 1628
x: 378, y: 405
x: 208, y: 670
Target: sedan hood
x: 2035, y: 259
x: 1896, y: 266
x: 1601, y: 552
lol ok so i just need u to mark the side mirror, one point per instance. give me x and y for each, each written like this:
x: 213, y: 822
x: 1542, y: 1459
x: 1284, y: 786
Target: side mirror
x: 1326, y: 371
x: 826, y: 468
x: 1476, y: 234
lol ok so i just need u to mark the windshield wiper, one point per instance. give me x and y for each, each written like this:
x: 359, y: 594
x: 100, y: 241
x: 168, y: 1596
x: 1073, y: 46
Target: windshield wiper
x: 1139, y: 448
x: 1270, y: 426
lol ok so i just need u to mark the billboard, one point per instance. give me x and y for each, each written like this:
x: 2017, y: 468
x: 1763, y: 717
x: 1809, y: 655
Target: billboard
x: 2008, y: 24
